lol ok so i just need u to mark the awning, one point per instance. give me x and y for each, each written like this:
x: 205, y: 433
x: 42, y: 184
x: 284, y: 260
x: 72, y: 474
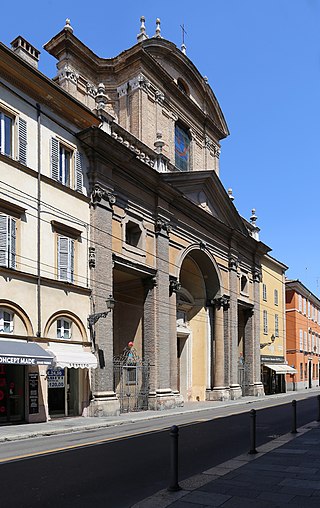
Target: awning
x: 21, y: 352
x: 72, y: 356
x: 281, y: 368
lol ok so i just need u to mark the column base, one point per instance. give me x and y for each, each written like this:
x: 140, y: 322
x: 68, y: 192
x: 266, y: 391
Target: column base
x: 255, y: 390
x: 218, y: 393
x: 179, y: 400
x: 104, y: 404
x: 235, y: 392
x: 162, y: 399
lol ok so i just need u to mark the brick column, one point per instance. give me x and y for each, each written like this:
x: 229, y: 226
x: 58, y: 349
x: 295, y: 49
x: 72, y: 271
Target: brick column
x: 235, y: 389
x: 258, y: 386
x: 220, y: 391
x: 149, y: 331
x: 163, y: 397
x: 104, y: 402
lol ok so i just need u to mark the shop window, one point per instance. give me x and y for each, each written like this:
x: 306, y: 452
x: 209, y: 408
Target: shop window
x: 182, y: 148
x: 7, y: 241
x: 66, y: 165
x: 6, y: 321
x: 133, y: 234
x: 65, y: 258
x: 64, y: 327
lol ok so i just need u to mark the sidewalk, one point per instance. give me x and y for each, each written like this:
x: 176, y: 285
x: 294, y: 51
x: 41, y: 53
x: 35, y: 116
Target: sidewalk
x: 285, y: 472
x: 80, y: 423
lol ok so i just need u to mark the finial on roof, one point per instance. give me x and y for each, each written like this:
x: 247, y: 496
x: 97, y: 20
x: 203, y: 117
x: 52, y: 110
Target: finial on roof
x: 159, y: 143
x: 206, y: 80
x: 142, y: 36
x: 230, y: 194
x: 253, y: 218
x: 158, y: 29
x: 184, y: 49
x: 67, y: 26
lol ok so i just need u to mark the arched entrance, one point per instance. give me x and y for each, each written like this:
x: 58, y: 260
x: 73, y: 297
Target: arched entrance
x: 200, y: 285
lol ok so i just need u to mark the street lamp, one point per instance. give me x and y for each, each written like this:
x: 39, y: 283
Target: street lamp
x: 93, y: 318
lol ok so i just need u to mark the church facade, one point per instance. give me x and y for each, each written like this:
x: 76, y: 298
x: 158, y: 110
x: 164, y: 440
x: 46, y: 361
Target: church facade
x: 167, y: 248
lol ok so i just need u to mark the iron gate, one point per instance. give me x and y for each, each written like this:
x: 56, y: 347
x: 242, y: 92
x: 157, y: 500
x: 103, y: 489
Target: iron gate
x: 131, y: 380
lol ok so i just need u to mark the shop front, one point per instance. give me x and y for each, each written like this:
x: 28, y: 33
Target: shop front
x: 273, y: 372
x: 20, y: 391
x: 69, y: 380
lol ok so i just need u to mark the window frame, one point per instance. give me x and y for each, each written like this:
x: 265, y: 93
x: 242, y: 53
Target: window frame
x: 65, y: 258
x: 265, y: 322
x: 185, y: 135
x: 8, y: 235
x: 264, y: 292
x: 3, y: 311
x: 62, y: 327
x: 276, y: 297
x: 276, y: 325
x: 5, y: 114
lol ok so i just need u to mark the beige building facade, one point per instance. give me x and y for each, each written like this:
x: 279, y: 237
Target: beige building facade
x: 45, y: 350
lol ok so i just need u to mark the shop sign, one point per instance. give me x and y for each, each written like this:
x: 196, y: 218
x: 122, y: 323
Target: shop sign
x: 33, y: 393
x: 55, y: 378
x: 16, y: 360
x: 271, y: 359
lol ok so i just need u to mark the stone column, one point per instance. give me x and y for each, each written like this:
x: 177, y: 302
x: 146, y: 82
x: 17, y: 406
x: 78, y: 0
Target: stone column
x: 249, y: 351
x: 149, y: 331
x: 104, y: 401
x: 235, y: 389
x: 220, y: 391
x: 163, y: 397
x: 258, y: 386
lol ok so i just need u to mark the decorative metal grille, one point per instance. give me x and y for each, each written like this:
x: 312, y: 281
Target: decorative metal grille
x: 131, y: 380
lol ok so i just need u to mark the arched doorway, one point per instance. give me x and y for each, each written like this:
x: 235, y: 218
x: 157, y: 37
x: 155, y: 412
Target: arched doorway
x: 200, y: 285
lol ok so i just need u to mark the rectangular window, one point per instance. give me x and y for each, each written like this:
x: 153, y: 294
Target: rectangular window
x: 304, y: 306
x: 65, y: 258
x: 7, y: 241
x: 63, y: 329
x: 66, y: 165
x: 300, y: 303
x: 309, y: 313
x: 182, y: 148
x: 6, y: 321
x: 301, y: 340
x: 301, y: 371
x: 265, y: 322
x: 264, y: 292
x: 276, y: 297
x: 305, y: 342
x: 6, y: 123
x: 312, y: 343
x: 276, y: 325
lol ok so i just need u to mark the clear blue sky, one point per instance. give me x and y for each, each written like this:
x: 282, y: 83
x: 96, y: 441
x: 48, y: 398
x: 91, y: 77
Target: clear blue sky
x: 262, y: 58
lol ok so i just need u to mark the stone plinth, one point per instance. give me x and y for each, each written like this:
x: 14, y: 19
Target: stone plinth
x: 104, y: 404
x: 162, y: 398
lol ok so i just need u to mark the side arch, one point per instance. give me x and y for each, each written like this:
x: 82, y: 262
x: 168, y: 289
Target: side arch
x: 72, y: 317
x: 20, y: 312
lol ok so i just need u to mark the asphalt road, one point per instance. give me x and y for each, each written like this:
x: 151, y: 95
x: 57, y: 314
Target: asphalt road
x: 121, y: 471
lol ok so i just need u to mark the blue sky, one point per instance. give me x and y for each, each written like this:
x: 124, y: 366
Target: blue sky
x: 262, y: 58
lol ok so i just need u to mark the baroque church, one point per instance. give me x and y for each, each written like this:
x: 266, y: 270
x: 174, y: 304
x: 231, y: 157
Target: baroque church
x: 174, y: 271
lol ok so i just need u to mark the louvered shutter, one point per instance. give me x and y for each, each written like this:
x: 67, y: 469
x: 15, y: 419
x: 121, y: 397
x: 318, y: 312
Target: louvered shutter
x: 22, y: 141
x: 55, y: 153
x: 3, y: 240
x: 12, y: 243
x: 63, y: 257
x: 79, y: 171
x: 71, y: 260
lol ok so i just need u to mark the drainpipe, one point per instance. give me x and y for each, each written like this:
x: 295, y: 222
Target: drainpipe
x: 39, y: 222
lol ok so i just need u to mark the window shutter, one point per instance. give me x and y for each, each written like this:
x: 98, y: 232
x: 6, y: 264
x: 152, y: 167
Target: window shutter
x: 22, y: 141
x: 63, y: 257
x: 71, y: 260
x: 79, y: 171
x: 3, y: 240
x: 55, y: 152
x: 12, y: 243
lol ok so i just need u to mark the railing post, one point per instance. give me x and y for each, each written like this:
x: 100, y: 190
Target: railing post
x: 318, y: 397
x: 253, y: 432
x: 294, y: 417
x: 174, y: 435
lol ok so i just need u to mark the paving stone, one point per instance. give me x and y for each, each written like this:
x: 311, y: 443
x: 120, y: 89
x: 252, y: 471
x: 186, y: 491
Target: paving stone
x: 306, y: 484
x: 277, y: 497
x: 241, y: 502
x: 205, y: 498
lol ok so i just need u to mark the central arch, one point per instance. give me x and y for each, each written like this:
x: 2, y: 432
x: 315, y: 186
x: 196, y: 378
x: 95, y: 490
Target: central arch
x: 201, y: 283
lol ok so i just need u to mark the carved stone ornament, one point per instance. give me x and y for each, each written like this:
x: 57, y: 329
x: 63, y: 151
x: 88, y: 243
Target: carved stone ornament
x: 162, y: 225
x: 150, y: 282
x: 159, y: 96
x: 210, y: 145
x: 174, y: 286
x: 257, y: 275
x: 68, y: 73
x: 233, y: 263
x: 222, y: 301
x: 92, y: 257
x: 99, y: 193
x: 91, y: 89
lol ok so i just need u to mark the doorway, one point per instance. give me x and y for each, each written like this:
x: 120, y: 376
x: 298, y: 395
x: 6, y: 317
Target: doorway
x: 12, y: 394
x: 63, y: 392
